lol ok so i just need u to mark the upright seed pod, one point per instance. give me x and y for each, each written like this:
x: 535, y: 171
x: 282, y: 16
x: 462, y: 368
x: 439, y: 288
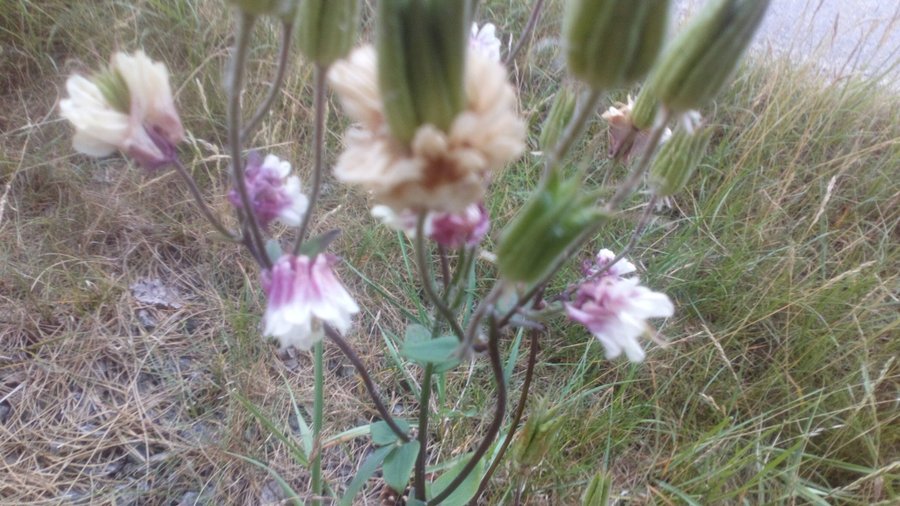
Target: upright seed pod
x: 327, y: 29
x: 677, y: 160
x: 560, y: 113
x: 704, y: 55
x: 613, y: 43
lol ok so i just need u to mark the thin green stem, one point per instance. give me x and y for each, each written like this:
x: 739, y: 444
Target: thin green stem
x: 517, y: 416
x: 422, y: 457
x: 496, y: 423
x: 367, y: 380
x: 235, y: 83
x: 318, y: 415
x: 319, y: 150
x: 201, y: 203
x: 526, y: 32
x: 427, y: 284
x: 284, y: 52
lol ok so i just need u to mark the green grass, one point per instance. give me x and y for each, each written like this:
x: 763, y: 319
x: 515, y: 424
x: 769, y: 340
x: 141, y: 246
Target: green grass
x: 780, y: 384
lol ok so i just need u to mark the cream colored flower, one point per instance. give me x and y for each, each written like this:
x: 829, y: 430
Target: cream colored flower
x: 148, y: 127
x: 437, y: 171
x: 625, y: 140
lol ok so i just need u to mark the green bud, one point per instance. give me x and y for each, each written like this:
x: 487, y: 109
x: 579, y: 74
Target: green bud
x: 677, y: 159
x: 560, y: 113
x: 537, y: 437
x: 705, y: 54
x: 597, y: 491
x: 613, y: 43
x: 421, y: 48
x: 554, y: 218
x: 327, y: 29
x: 645, y: 108
x: 114, y: 89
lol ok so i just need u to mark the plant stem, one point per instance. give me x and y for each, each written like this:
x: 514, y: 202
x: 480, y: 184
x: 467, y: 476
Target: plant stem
x: 445, y: 268
x: 427, y: 285
x: 284, y: 51
x: 367, y: 380
x: 421, y: 458
x: 526, y: 32
x: 496, y: 423
x: 517, y: 416
x: 207, y: 212
x: 576, y: 126
x: 235, y: 85
x: 319, y: 149
x: 318, y: 415
x: 635, y: 176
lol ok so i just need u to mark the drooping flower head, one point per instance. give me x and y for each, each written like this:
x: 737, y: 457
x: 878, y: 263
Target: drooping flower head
x: 274, y: 192
x: 128, y: 108
x: 615, y: 309
x: 437, y: 170
x: 625, y: 139
x: 303, y: 294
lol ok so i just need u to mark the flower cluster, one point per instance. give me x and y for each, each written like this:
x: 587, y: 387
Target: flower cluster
x: 274, y: 192
x: 128, y: 108
x: 303, y: 295
x: 614, y: 308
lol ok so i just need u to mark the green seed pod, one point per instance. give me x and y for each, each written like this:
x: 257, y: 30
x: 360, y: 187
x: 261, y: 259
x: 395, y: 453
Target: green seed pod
x: 705, y: 54
x: 613, y: 43
x: 421, y: 48
x: 327, y: 29
x: 645, y: 108
x: 560, y: 113
x: 677, y: 160
x: 537, y: 437
x: 553, y: 219
x: 597, y: 491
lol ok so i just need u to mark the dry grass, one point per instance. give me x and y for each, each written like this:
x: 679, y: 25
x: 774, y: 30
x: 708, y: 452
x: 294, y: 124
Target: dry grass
x: 784, y: 350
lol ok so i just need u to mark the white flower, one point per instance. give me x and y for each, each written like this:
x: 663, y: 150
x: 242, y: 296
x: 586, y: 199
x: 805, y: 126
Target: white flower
x: 603, y: 258
x: 304, y: 294
x: 145, y: 126
x: 437, y: 170
x: 274, y: 192
x: 485, y: 41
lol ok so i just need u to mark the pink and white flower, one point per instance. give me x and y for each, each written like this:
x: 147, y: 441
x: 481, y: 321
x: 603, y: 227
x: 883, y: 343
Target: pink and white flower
x: 485, y: 42
x: 303, y: 295
x: 133, y: 112
x: 274, y: 192
x: 451, y: 230
x: 615, y: 309
x: 598, y: 267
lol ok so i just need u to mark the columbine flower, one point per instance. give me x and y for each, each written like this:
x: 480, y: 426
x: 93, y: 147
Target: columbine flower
x: 274, y: 193
x: 598, y: 267
x: 614, y: 308
x: 436, y: 171
x: 485, y: 41
x: 129, y: 108
x: 451, y: 230
x: 625, y: 140
x: 303, y: 294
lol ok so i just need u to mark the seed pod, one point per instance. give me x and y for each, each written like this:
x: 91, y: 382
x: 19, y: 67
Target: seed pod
x: 645, y: 108
x: 612, y: 43
x: 553, y: 219
x: 537, y: 437
x: 597, y: 491
x: 421, y: 48
x: 327, y: 29
x: 560, y: 113
x: 677, y: 160
x: 705, y: 54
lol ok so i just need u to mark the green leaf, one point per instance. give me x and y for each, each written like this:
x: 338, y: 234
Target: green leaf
x: 465, y: 491
x: 383, y: 435
x: 365, y: 471
x: 437, y: 351
x: 398, y: 465
x: 313, y: 246
x: 416, y: 333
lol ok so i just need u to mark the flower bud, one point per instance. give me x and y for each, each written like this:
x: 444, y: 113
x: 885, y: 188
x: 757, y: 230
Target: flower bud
x: 677, y: 160
x: 327, y: 29
x: 597, y: 491
x: 553, y: 219
x: 612, y: 43
x: 421, y: 48
x: 704, y: 55
x: 643, y: 113
x: 560, y: 113
x: 537, y: 437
